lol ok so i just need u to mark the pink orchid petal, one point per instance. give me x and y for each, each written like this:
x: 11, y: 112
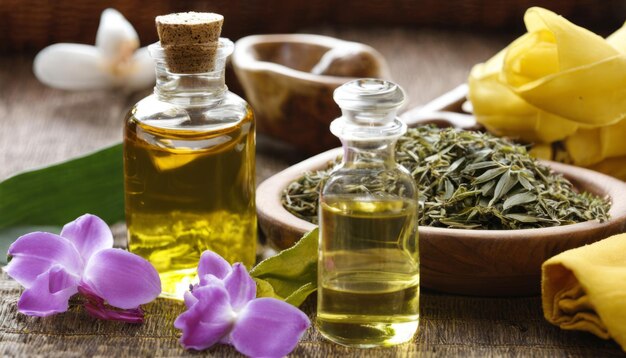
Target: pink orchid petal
x: 89, y: 234
x: 240, y: 286
x: 134, y: 315
x: 96, y: 307
x: 189, y: 299
x: 35, y: 253
x: 225, y: 340
x: 123, y: 279
x: 49, y: 293
x: 208, y: 320
x: 209, y: 280
x: 212, y: 264
x: 268, y: 327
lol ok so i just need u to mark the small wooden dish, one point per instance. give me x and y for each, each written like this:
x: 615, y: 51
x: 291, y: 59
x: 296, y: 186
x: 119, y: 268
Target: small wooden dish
x: 289, y: 81
x: 472, y: 262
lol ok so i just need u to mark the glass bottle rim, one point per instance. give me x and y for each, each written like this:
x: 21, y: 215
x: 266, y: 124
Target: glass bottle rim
x: 369, y: 94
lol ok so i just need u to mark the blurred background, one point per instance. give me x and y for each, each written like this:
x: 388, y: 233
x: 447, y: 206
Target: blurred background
x: 29, y: 25
x: 430, y: 46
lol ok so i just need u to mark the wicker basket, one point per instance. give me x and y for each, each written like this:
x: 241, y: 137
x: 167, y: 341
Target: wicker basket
x: 29, y: 25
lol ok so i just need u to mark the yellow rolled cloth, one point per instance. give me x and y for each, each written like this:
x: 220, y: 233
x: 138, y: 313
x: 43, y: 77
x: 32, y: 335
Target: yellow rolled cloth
x: 557, y: 82
x: 585, y: 289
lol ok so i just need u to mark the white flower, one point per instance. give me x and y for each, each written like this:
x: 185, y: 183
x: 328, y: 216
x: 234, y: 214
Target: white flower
x: 115, y: 61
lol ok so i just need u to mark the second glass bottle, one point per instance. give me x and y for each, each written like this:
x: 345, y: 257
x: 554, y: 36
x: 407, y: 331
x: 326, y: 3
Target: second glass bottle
x: 368, y: 264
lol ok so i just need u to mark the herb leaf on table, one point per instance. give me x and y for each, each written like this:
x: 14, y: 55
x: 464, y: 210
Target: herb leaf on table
x: 291, y: 275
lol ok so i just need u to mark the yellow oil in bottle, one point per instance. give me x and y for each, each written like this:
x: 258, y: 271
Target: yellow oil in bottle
x: 368, y: 289
x: 187, y: 191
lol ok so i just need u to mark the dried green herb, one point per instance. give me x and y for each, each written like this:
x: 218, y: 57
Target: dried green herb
x: 472, y: 180
x: 301, y: 197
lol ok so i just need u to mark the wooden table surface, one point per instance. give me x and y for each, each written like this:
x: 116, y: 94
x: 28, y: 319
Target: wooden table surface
x: 40, y: 126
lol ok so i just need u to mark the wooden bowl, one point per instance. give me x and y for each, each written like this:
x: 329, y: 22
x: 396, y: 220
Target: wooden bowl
x: 289, y: 81
x: 472, y: 262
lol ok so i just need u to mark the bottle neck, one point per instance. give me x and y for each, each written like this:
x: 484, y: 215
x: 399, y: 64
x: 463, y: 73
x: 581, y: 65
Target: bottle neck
x: 368, y: 146
x: 198, y: 89
x: 368, y: 126
x: 378, y: 154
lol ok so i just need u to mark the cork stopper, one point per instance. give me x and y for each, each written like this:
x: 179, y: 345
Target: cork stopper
x: 190, y: 40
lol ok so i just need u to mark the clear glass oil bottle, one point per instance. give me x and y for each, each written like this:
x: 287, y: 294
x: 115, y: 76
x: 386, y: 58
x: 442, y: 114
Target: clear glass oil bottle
x: 368, y: 264
x: 189, y: 170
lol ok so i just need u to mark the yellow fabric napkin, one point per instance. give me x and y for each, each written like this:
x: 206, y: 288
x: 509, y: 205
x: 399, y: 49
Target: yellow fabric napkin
x: 558, y: 82
x: 585, y: 289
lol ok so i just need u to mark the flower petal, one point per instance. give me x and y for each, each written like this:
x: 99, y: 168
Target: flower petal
x: 208, y: 320
x: 89, y: 234
x: 618, y: 39
x: 35, y: 253
x: 142, y: 74
x: 115, y: 35
x: 123, y: 279
x: 240, y: 286
x: 96, y: 307
x: 72, y: 67
x: 569, y: 38
x: 49, y: 293
x: 212, y: 264
x: 133, y: 315
x: 268, y: 327
x: 189, y: 299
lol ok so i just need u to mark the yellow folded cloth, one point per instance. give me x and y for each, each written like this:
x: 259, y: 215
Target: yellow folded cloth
x: 557, y: 82
x: 585, y: 289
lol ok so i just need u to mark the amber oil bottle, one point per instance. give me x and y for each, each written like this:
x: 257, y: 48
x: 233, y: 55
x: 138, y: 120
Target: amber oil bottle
x: 189, y: 162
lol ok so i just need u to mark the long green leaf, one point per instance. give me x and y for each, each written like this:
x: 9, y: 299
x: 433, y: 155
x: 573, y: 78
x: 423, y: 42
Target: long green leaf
x: 46, y: 199
x: 518, y: 199
x: 490, y: 174
x: 291, y: 275
x: 60, y: 193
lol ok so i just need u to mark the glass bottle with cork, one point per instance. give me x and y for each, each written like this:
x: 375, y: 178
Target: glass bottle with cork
x: 368, y: 264
x: 189, y: 156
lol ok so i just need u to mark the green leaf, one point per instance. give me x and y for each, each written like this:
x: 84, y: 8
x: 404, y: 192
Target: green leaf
x: 291, y: 275
x: 525, y: 182
x: 60, y: 193
x: 265, y: 289
x: 522, y: 217
x: 505, y: 184
x: 519, y: 199
x: 449, y: 189
x: 455, y: 165
x: 490, y: 174
x: 480, y: 165
x: 488, y: 188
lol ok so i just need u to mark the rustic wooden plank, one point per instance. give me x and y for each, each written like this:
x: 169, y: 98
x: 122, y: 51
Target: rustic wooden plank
x: 450, y: 326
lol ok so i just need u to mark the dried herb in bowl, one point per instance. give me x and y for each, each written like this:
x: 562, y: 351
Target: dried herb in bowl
x: 472, y: 180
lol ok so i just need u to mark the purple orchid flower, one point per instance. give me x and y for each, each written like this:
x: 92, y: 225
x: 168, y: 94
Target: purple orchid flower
x: 52, y: 268
x: 223, y: 308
